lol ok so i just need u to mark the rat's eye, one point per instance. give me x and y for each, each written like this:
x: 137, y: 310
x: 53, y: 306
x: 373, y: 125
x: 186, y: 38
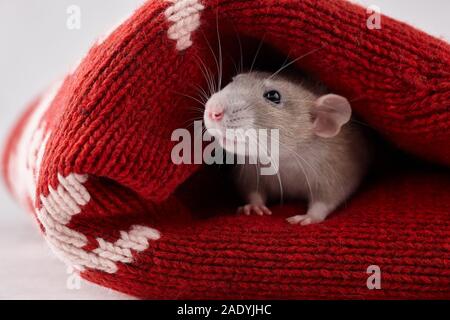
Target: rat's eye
x: 273, y: 96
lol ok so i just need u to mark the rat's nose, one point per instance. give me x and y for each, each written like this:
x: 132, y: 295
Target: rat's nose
x: 216, y: 115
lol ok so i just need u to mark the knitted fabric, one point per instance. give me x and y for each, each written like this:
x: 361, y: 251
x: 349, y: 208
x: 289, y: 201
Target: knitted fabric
x: 91, y: 158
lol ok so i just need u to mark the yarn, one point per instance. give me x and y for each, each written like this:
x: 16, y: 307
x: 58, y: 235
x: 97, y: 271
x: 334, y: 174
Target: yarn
x: 92, y: 160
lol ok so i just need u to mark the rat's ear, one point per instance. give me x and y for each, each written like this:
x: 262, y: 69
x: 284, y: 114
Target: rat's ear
x: 330, y: 113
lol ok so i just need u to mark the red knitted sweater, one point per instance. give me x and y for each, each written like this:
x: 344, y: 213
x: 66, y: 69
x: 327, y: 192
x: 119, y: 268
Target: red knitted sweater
x: 91, y: 158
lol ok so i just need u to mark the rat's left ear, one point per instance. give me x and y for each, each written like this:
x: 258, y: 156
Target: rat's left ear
x: 330, y: 113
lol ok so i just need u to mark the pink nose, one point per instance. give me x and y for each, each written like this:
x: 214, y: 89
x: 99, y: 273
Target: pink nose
x: 216, y: 115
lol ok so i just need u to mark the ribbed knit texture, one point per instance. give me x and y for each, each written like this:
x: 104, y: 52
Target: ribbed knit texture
x: 109, y: 199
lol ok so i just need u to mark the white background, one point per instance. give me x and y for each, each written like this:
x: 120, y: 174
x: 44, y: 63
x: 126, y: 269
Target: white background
x: 36, y: 48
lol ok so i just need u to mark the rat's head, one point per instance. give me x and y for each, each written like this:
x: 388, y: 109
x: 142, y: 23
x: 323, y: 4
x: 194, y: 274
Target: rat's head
x: 257, y: 100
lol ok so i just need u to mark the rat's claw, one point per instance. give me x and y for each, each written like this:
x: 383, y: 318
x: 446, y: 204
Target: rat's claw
x: 258, y: 209
x: 303, y: 219
x: 266, y: 210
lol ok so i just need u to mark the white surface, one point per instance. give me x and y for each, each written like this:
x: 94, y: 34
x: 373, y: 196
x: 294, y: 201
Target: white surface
x: 37, y: 48
x: 31, y: 271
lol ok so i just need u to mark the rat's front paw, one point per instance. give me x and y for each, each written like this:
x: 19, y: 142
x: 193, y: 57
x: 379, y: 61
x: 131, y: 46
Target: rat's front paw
x: 304, y: 219
x: 254, y: 208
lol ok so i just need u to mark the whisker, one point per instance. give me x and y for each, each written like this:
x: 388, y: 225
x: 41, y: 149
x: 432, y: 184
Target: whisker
x: 209, y: 78
x: 257, y: 52
x: 275, y: 164
x: 295, y: 60
x: 297, y: 157
x: 213, y: 54
x: 190, y: 97
x: 241, y: 53
x: 219, y: 43
x: 190, y: 122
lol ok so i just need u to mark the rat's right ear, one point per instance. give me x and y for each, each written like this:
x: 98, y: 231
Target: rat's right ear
x: 330, y: 113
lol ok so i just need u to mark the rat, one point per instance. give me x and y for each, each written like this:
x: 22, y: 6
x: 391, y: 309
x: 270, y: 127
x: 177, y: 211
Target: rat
x: 323, y: 155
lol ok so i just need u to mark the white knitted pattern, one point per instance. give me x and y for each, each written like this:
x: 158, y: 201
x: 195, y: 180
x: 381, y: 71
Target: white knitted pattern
x: 136, y: 239
x: 184, y: 17
x: 57, y: 210
x: 70, y: 196
x: 65, y: 201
